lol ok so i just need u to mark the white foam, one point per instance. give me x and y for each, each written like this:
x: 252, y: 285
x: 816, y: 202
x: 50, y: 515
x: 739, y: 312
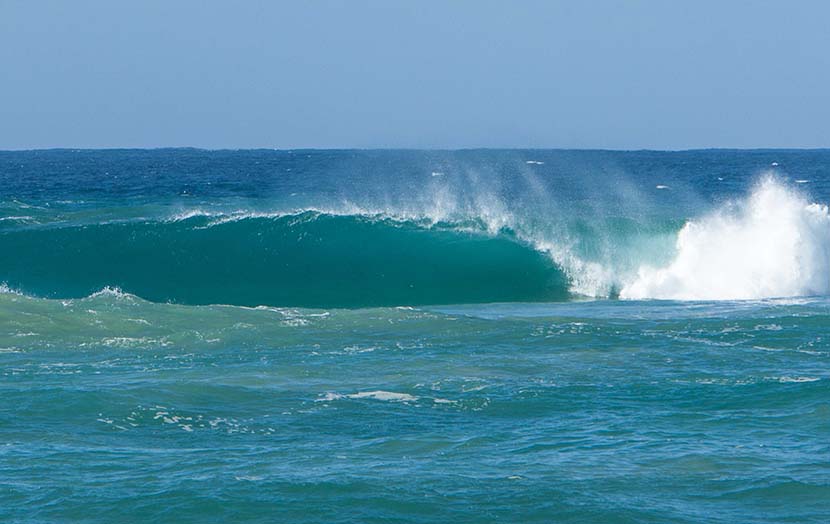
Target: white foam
x: 787, y: 379
x: 114, y: 292
x: 773, y: 244
x: 355, y: 349
x: 190, y: 213
x: 328, y: 397
x: 6, y: 290
x: 387, y: 396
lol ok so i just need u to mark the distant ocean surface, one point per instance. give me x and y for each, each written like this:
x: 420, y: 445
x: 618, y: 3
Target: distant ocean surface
x: 415, y: 336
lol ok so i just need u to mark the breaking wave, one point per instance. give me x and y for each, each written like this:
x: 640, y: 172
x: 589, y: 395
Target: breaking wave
x: 771, y: 243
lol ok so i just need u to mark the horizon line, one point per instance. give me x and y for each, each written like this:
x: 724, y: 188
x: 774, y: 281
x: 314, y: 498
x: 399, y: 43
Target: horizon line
x: 413, y: 149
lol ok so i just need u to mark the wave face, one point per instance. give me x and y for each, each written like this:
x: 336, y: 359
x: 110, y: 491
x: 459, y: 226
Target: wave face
x: 309, y: 259
x: 774, y: 243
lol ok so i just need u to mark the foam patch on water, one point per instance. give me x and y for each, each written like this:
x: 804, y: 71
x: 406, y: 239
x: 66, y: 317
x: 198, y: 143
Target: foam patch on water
x: 386, y: 396
x: 796, y: 380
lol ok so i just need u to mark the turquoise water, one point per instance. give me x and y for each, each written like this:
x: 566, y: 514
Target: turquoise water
x: 344, y: 336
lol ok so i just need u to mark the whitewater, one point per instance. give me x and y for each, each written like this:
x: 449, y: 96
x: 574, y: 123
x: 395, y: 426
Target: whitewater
x: 772, y: 243
x: 414, y: 336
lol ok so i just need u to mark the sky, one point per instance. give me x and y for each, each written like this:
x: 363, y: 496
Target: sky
x: 414, y: 74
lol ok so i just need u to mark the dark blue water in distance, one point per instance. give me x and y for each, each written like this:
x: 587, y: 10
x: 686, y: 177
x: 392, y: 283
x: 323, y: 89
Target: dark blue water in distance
x: 415, y: 336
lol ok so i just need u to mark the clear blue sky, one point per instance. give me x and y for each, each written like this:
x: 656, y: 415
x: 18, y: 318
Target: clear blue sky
x: 449, y: 74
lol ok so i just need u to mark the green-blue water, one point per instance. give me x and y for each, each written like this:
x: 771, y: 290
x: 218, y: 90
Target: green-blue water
x: 359, y: 336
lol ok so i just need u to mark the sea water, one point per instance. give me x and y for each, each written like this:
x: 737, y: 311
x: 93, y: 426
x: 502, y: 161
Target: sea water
x: 414, y: 336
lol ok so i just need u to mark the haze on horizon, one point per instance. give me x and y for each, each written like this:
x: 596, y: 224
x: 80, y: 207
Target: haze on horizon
x: 613, y: 75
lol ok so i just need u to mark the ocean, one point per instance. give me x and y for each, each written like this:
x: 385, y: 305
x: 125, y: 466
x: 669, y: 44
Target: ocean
x: 469, y: 336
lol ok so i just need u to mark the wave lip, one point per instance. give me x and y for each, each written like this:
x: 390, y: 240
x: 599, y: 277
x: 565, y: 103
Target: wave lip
x: 773, y: 244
